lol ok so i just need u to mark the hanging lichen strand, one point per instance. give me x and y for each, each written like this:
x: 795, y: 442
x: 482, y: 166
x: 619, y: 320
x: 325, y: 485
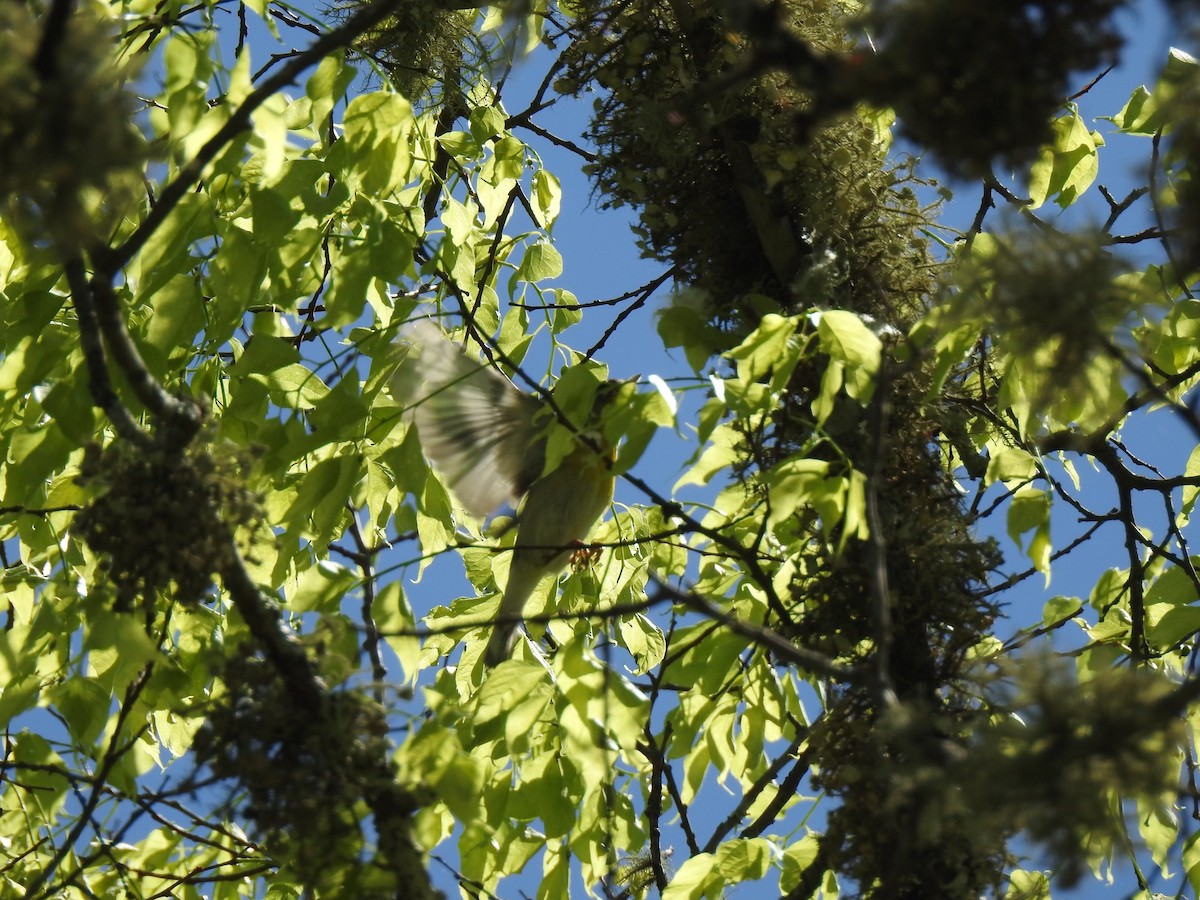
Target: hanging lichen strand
x: 727, y: 185
x: 765, y: 209
x: 424, y: 47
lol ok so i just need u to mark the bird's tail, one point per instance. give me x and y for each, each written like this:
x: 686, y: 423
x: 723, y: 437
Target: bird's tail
x: 523, y: 577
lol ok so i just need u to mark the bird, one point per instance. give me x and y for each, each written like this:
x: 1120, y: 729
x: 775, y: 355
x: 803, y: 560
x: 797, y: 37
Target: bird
x: 489, y: 440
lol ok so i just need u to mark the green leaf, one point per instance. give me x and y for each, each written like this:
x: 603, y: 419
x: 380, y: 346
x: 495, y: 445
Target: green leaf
x: 341, y: 414
x: 765, y: 349
x: 43, y: 778
x: 796, y: 860
x: 1029, y: 510
x: 685, y: 323
x: 547, y: 197
x: 722, y: 451
x: 460, y: 786
x: 118, y: 648
x: 1140, y: 114
x: 544, y: 794
x: 592, y: 696
x: 800, y: 482
x: 505, y: 689
x: 1191, y: 861
x: 326, y: 85
x: 459, y: 219
x: 541, y: 262
x: 347, y: 296
x: 235, y: 281
x: 83, y: 704
x: 167, y: 252
x: 742, y: 859
x: 275, y: 214
x: 321, y: 588
x: 294, y: 387
x: 556, y: 873
x: 320, y: 504
x: 270, y: 132
x: 1067, y: 167
x: 1010, y: 464
x: 696, y: 878
x: 1168, y: 624
x: 1159, y: 828
x: 1108, y: 590
x: 178, y: 317
x: 509, y: 158
x: 188, y: 69
x: 1024, y: 885
x: 1174, y: 586
x: 1147, y: 112
x: 394, y: 613
x: 1191, y: 491
x: 18, y: 695
x: 526, y: 724
x: 486, y: 123
x: 434, y: 756
x: 176, y: 732
x: 846, y: 338
x: 644, y: 640
x: 376, y: 132
x: 460, y: 144
x: 566, y: 310
x: 391, y: 231
x: 34, y: 456
x: 832, y: 380
x: 1059, y: 608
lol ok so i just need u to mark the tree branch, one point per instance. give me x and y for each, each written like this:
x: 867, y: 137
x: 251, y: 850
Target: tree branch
x: 263, y: 619
x: 182, y: 416
x: 94, y: 357
x: 46, y: 60
x: 755, y: 790
x: 371, y: 641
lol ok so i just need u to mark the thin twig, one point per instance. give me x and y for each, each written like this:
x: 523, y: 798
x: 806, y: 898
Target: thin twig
x: 809, y: 660
x: 751, y: 794
x: 371, y: 640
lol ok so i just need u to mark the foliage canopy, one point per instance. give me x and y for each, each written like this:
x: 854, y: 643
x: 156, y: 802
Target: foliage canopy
x: 219, y: 678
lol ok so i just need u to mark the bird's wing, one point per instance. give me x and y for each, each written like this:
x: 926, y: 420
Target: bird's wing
x: 475, y: 426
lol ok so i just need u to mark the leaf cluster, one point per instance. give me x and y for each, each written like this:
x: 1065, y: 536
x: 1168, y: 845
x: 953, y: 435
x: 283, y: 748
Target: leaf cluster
x: 1060, y: 753
x: 69, y: 152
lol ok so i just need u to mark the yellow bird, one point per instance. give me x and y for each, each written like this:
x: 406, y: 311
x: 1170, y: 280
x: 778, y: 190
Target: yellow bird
x: 489, y: 440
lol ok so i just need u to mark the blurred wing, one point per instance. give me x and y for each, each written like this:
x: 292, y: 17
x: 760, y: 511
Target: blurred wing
x: 476, y: 427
